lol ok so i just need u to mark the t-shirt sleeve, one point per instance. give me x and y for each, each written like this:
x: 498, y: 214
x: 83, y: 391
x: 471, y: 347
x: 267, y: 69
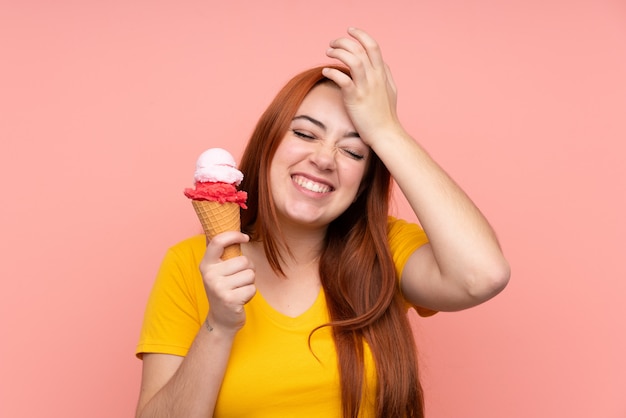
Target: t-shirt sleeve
x: 404, y: 238
x: 177, y: 303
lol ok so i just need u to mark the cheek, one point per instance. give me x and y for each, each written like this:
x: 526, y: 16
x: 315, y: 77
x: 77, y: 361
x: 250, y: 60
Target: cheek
x: 274, y: 176
x: 352, y: 174
x: 287, y: 153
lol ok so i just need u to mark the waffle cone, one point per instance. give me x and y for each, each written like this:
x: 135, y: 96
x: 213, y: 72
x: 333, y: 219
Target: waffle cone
x: 216, y: 218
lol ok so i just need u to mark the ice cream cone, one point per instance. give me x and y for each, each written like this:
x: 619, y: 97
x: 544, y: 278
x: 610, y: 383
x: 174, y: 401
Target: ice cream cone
x: 216, y: 218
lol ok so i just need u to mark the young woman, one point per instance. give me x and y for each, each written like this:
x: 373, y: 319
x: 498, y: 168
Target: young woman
x: 311, y: 320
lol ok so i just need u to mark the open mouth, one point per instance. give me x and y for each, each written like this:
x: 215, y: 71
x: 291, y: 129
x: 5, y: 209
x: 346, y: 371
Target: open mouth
x: 312, y: 186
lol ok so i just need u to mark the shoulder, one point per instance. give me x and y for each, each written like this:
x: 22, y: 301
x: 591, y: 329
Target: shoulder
x: 192, y: 246
x: 400, y: 232
x: 185, y: 253
x: 404, y: 238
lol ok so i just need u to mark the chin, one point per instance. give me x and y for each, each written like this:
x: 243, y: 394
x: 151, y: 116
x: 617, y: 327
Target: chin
x: 304, y: 218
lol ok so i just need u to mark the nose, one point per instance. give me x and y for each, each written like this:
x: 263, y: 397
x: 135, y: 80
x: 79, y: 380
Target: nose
x: 323, y: 157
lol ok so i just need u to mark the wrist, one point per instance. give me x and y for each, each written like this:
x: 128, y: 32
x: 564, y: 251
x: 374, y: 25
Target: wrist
x: 389, y: 138
x: 213, y: 327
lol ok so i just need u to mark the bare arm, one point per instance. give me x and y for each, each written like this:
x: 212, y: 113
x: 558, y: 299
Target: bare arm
x: 174, y: 386
x: 463, y: 264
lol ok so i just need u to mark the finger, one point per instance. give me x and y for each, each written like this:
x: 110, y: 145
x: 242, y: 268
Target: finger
x: 370, y: 46
x: 234, y: 290
x: 222, y: 288
x: 239, y: 271
x: 392, y: 83
x: 352, y: 54
x: 350, y: 46
x: 338, y: 77
x: 241, y: 278
x: 215, y: 247
x: 358, y: 65
x: 244, y: 294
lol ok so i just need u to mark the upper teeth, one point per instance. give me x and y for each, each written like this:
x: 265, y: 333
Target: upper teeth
x: 311, y: 185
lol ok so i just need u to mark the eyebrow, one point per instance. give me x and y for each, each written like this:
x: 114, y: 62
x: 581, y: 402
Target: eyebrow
x: 322, y: 126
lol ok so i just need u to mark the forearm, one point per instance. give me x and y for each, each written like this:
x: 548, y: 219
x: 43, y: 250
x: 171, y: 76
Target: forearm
x: 192, y: 390
x: 463, y: 243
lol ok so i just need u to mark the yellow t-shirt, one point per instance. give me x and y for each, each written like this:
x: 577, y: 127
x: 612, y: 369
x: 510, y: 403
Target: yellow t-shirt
x: 272, y: 372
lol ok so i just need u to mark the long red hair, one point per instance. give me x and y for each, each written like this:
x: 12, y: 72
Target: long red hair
x: 356, y: 268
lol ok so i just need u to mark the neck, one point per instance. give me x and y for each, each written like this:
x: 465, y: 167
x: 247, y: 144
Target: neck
x: 300, y: 247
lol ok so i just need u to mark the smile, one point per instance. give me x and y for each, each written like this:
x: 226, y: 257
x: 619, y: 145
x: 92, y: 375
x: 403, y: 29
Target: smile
x: 311, y: 185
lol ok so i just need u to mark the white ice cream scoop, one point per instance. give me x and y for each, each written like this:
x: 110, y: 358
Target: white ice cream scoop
x: 218, y: 166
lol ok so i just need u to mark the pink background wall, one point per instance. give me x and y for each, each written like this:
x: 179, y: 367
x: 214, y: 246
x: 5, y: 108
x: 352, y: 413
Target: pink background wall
x: 104, y: 106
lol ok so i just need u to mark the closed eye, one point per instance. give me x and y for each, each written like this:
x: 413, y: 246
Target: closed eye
x: 353, y: 154
x: 302, y: 135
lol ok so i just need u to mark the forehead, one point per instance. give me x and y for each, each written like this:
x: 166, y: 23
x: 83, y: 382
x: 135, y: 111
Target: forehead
x: 325, y: 101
